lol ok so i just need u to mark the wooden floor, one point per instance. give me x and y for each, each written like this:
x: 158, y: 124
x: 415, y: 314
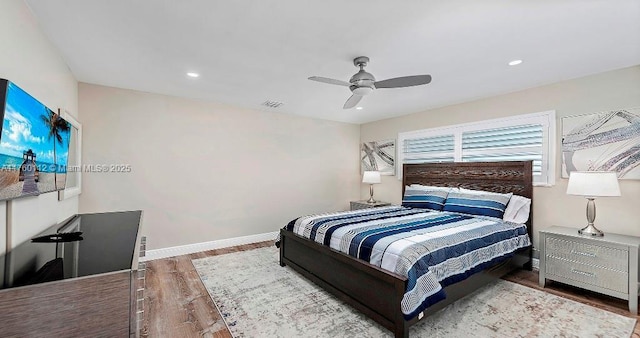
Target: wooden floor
x: 178, y: 305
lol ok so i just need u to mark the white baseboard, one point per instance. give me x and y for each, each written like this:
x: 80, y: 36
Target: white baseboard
x: 204, y: 246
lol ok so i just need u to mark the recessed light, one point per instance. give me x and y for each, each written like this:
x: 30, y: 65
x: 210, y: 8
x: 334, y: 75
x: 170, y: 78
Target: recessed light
x: 359, y: 108
x: 192, y: 74
x: 515, y: 62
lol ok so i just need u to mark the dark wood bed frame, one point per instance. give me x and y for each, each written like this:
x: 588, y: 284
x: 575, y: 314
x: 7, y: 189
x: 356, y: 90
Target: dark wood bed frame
x: 376, y: 292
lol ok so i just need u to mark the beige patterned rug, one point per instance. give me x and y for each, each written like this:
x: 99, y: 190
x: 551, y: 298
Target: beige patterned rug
x: 258, y: 298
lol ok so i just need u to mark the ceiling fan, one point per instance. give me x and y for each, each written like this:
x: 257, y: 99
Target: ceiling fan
x: 363, y: 83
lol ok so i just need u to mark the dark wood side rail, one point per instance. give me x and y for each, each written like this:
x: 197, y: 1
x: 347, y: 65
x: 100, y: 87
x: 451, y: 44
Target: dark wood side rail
x: 336, y: 273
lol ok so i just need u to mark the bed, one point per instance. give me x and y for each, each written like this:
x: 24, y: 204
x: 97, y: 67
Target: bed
x: 379, y: 293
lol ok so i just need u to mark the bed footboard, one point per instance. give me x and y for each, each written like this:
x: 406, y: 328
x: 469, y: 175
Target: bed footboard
x: 371, y: 290
x: 345, y: 276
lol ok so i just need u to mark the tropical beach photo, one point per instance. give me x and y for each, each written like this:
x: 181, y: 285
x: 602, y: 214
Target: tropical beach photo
x: 34, y: 147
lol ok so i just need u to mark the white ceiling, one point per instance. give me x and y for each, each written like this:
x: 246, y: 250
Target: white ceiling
x: 249, y: 51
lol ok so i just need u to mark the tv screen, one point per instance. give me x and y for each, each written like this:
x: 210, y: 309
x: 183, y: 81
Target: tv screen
x: 34, y: 145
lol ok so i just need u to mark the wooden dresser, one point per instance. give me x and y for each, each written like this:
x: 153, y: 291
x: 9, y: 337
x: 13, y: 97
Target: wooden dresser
x: 93, y: 287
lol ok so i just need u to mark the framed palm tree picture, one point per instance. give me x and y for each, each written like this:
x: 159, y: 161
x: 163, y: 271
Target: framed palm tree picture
x: 604, y: 141
x: 34, y: 145
x: 378, y: 156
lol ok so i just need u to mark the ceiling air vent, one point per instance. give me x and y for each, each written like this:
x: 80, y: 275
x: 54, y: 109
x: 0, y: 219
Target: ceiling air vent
x: 272, y: 104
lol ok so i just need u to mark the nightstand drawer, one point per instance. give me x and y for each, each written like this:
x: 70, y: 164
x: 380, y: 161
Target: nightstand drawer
x: 589, y: 274
x: 355, y: 205
x: 588, y: 254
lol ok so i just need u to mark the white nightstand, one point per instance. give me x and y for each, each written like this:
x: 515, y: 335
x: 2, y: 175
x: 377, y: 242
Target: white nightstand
x: 364, y: 204
x: 607, y: 265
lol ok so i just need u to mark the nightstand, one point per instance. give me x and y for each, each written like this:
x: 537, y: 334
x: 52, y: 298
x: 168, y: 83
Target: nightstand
x: 355, y: 205
x: 607, y: 265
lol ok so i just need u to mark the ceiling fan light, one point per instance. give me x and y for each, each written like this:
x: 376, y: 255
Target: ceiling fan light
x: 362, y: 90
x: 361, y: 76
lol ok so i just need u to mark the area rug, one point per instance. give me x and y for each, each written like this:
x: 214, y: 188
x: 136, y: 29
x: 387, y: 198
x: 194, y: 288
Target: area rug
x: 258, y: 298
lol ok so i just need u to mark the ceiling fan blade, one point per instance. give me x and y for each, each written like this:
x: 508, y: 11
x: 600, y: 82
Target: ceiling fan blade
x: 405, y: 81
x: 352, y: 101
x: 330, y: 81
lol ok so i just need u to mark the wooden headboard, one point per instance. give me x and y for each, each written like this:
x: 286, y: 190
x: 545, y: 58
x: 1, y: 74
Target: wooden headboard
x: 501, y: 177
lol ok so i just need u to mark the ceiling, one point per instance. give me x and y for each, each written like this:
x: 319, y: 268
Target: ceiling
x: 250, y: 51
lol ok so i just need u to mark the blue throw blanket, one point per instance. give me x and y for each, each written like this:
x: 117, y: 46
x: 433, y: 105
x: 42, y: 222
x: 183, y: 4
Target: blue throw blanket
x: 432, y: 249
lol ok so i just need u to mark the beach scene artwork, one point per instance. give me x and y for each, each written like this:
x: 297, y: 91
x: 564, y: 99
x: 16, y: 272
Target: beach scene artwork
x: 34, y: 147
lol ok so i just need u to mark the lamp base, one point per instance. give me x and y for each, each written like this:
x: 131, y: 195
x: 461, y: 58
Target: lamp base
x: 371, y: 200
x: 591, y: 230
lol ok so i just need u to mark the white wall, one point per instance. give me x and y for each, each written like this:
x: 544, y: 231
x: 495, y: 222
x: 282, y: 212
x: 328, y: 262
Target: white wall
x: 600, y: 92
x: 203, y: 171
x: 29, y: 60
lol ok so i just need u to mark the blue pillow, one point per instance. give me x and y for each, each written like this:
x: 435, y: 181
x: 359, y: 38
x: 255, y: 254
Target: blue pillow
x: 492, y: 205
x: 424, y: 199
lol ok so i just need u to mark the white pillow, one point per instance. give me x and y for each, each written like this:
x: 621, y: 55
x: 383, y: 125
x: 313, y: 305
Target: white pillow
x: 431, y: 188
x: 517, y: 210
x: 477, y: 192
x: 482, y: 192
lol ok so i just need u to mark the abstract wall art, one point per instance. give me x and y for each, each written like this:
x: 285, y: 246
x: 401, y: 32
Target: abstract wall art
x: 604, y: 141
x: 378, y: 156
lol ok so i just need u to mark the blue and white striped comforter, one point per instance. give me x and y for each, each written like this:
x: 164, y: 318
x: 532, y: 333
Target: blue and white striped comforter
x: 432, y: 249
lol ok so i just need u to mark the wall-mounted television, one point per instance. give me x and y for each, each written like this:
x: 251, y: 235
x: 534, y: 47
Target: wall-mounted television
x: 34, y: 145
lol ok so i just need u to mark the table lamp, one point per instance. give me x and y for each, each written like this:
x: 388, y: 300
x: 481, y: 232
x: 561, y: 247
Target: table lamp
x: 592, y: 184
x: 371, y: 177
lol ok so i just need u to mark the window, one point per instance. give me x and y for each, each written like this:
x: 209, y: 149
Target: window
x: 518, y: 138
x: 429, y: 149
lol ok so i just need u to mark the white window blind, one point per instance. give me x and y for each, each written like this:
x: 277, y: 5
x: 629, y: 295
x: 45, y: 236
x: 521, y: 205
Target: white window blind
x: 514, y: 143
x: 518, y: 138
x: 429, y: 149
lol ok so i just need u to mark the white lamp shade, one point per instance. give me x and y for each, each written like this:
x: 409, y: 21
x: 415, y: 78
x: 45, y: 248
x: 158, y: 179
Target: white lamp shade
x: 593, y: 184
x: 371, y: 177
